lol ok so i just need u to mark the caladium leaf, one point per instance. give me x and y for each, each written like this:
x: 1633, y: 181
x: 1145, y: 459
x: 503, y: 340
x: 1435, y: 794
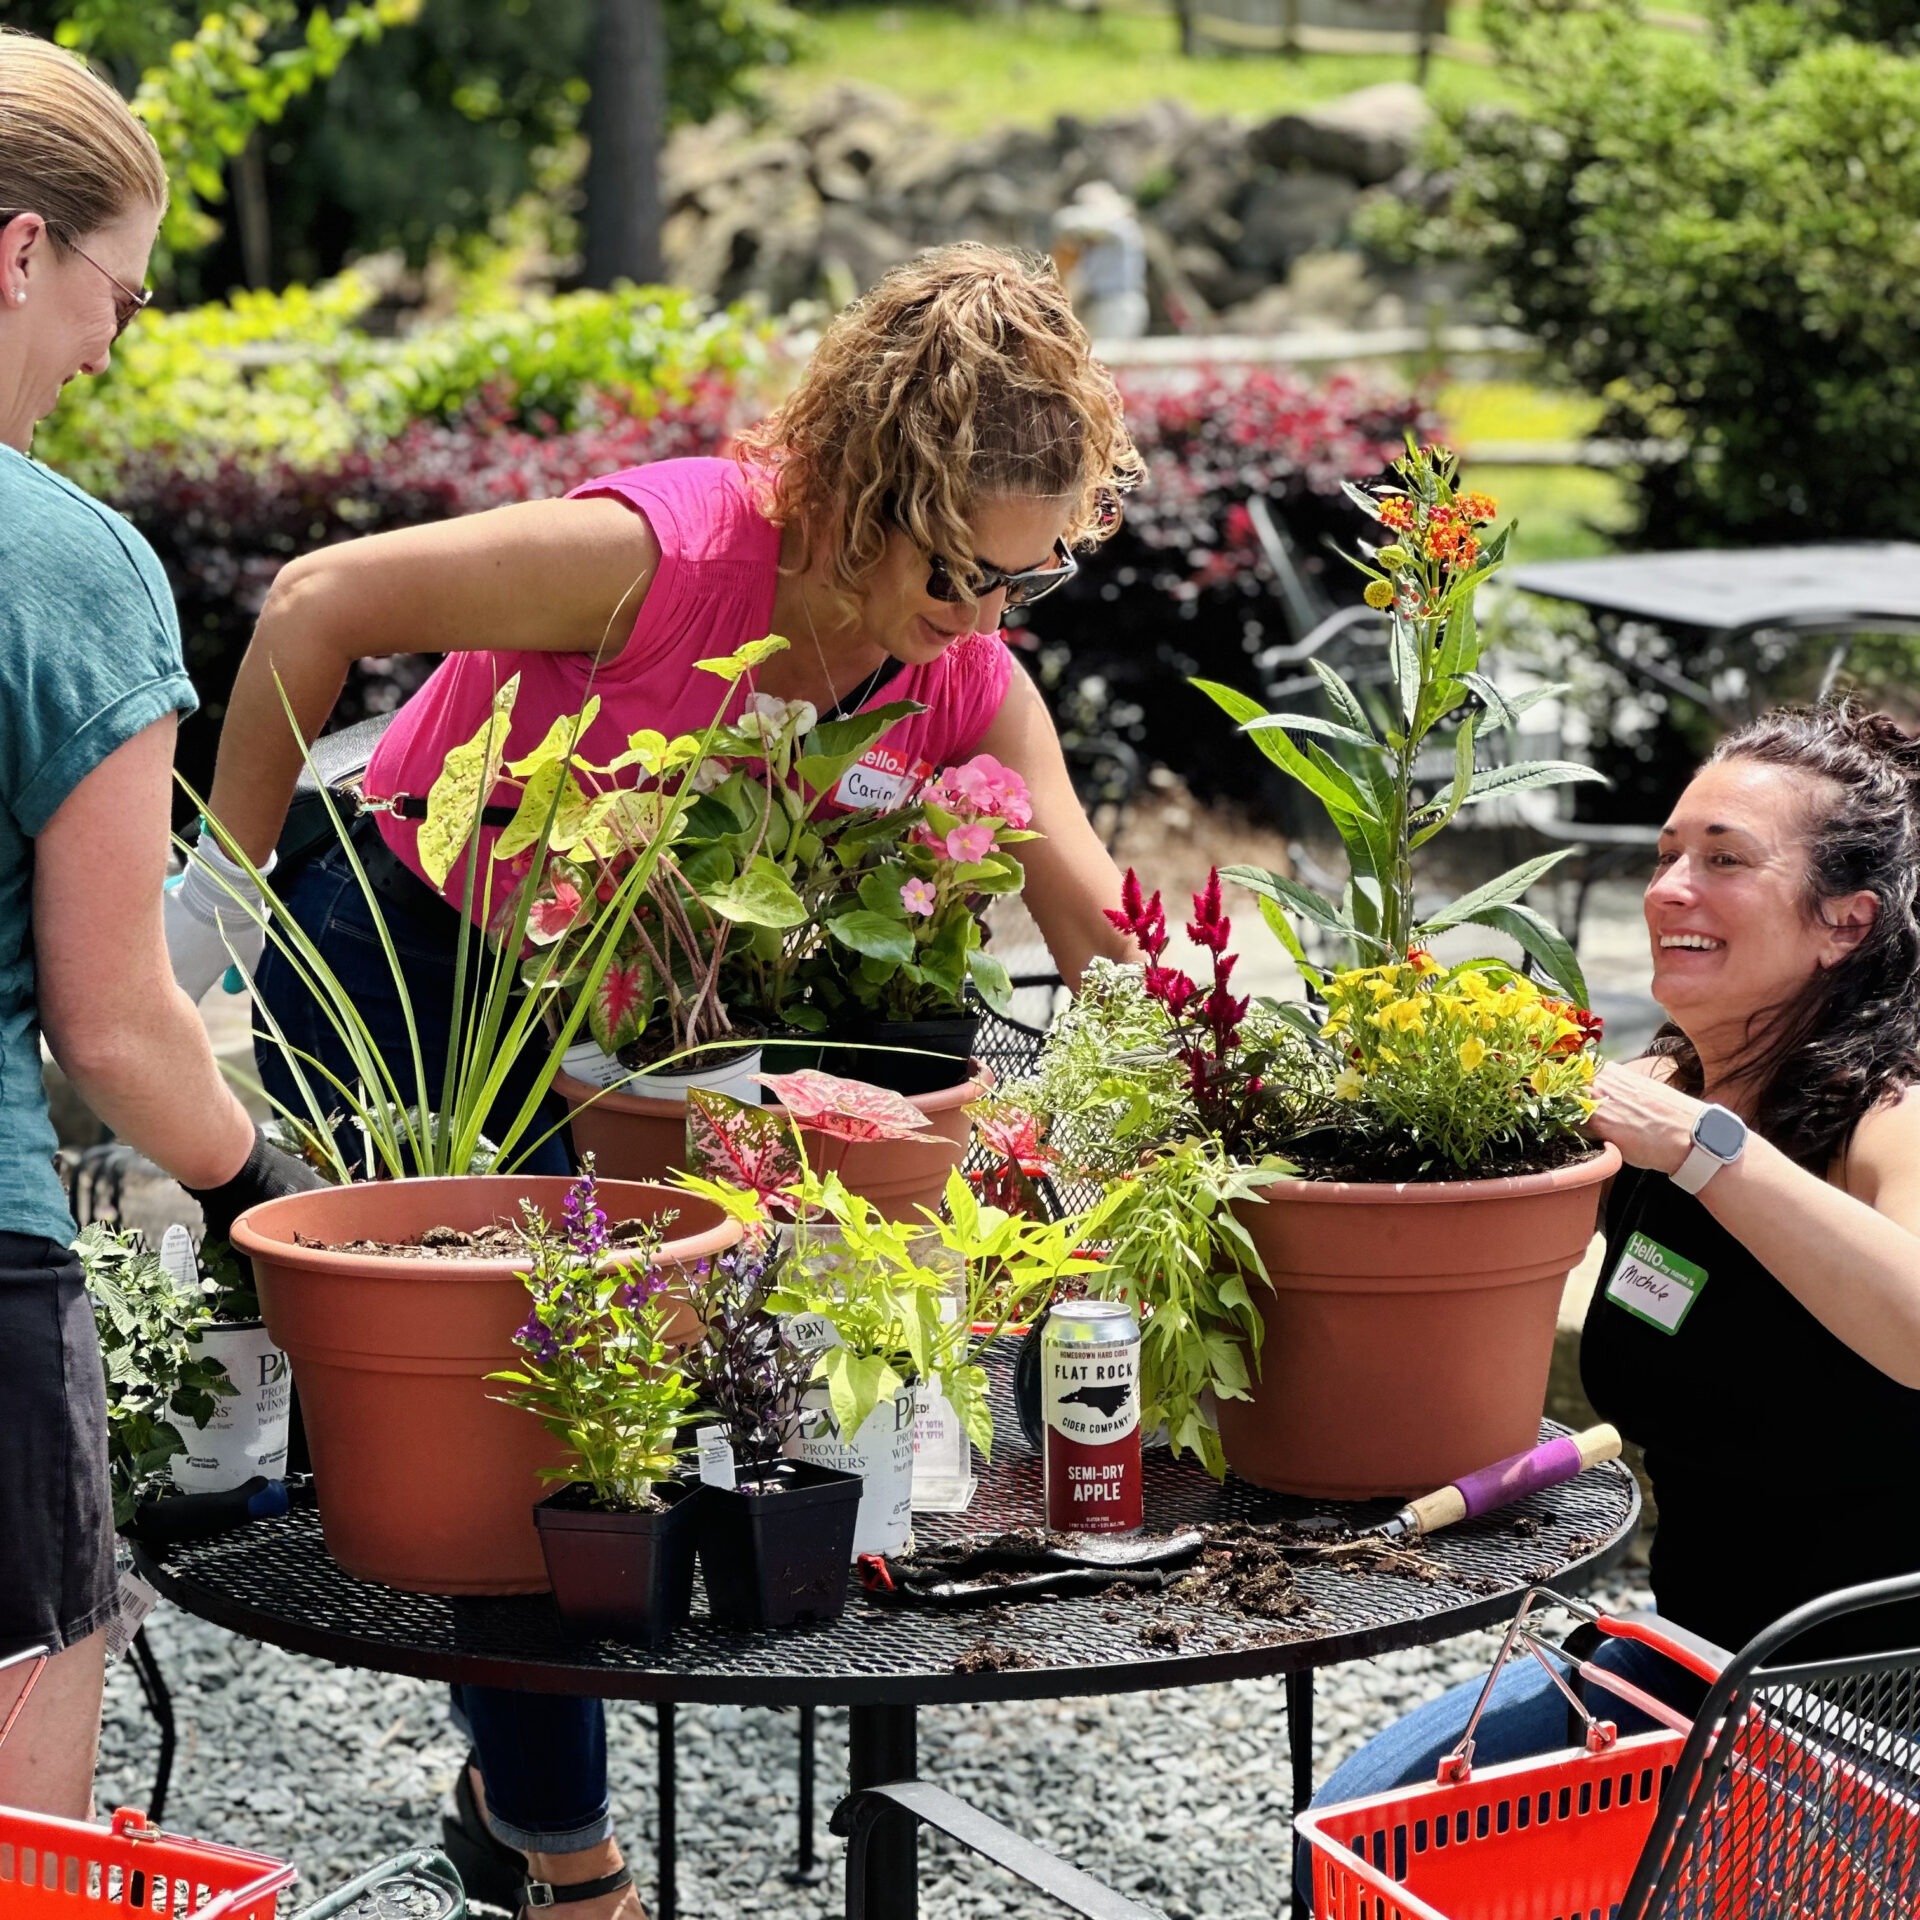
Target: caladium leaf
x: 747, y: 1146
x: 845, y: 1109
x: 621, y: 1003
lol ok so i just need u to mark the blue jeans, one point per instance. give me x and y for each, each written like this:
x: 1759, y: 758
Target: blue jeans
x: 543, y: 1756
x: 1527, y: 1715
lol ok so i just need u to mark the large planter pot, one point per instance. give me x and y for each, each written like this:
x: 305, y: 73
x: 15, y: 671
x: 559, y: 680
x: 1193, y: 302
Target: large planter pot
x: 626, y: 1575
x: 425, y: 1479
x: 632, y: 1138
x: 1410, y: 1328
x: 777, y: 1549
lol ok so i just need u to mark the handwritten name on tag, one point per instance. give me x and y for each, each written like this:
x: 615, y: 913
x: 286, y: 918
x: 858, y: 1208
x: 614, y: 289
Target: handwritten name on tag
x: 1654, y: 1283
x: 880, y: 779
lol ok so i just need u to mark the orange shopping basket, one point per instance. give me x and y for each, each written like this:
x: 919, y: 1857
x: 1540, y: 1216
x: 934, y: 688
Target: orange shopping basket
x: 54, y: 1869
x: 1793, y: 1795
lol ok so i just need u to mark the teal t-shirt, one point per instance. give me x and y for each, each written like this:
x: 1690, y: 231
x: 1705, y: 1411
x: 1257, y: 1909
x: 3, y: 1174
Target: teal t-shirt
x: 89, y: 656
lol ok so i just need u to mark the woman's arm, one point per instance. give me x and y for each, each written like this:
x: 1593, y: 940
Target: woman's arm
x: 1071, y: 877
x: 547, y: 576
x: 1850, y: 1255
x: 125, y: 1035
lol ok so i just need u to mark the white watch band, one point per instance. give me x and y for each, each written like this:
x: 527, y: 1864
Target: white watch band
x: 1697, y: 1168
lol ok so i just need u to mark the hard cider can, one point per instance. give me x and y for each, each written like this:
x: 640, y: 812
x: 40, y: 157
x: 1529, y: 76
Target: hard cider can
x: 1090, y: 1398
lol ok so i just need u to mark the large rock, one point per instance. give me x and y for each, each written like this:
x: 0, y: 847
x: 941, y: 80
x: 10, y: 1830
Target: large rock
x: 1285, y: 215
x: 1367, y: 136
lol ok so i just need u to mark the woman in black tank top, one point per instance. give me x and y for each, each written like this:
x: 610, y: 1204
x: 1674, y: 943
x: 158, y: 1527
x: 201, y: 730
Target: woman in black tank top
x: 1757, y: 1322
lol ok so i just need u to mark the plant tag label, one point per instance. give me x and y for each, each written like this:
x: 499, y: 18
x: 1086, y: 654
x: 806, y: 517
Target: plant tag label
x: 881, y: 779
x: 1654, y: 1283
x: 808, y: 1332
x: 136, y: 1601
x: 716, y: 1457
x: 179, y: 1259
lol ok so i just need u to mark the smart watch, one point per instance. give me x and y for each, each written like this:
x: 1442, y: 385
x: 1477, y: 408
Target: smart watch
x: 1719, y: 1139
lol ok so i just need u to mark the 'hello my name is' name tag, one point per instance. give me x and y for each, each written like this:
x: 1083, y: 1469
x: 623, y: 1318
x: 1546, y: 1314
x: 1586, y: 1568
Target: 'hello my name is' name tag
x: 1654, y: 1283
x: 880, y: 779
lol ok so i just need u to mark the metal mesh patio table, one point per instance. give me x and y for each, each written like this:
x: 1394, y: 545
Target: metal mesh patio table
x: 274, y: 1581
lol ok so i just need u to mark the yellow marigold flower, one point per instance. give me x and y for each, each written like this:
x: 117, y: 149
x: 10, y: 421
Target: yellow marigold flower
x: 1472, y: 1052
x: 1378, y: 594
x: 1541, y: 1078
x: 1347, y: 1084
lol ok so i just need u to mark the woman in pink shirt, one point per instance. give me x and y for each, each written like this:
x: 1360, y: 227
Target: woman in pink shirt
x: 950, y: 445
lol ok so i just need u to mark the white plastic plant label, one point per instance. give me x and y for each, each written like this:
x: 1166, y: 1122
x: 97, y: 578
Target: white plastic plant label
x: 808, y: 1332
x: 716, y: 1458
x: 177, y: 1256
x: 943, y: 1479
x: 247, y: 1435
x: 136, y: 1600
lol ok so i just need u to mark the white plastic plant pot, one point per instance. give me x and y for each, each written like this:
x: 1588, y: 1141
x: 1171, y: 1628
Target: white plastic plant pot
x: 584, y: 1061
x: 247, y: 1435
x: 881, y: 1453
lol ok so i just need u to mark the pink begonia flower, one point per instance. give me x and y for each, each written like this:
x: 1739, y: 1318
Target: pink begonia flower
x: 547, y: 920
x: 918, y: 896
x: 969, y: 844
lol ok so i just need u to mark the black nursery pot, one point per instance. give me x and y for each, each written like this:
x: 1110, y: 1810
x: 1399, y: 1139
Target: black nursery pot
x: 777, y: 1549
x: 626, y: 1575
x: 944, y: 1059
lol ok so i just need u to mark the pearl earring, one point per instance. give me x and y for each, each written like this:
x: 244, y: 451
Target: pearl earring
x: 19, y: 298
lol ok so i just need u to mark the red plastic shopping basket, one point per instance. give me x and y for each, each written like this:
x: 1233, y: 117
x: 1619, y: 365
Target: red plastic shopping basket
x: 53, y: 1869
x: 1559, y: 1837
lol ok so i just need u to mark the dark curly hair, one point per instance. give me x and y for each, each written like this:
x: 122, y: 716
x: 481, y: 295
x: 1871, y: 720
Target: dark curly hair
x: 1851, y: 1037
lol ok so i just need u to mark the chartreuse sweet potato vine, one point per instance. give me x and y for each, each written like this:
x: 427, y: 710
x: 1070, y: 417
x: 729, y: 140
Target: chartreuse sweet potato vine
x: 1371, y: 774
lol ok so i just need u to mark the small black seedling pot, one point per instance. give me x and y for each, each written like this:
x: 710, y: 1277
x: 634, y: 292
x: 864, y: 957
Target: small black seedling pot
x: 628, y: 1576
x: 777, y: 1549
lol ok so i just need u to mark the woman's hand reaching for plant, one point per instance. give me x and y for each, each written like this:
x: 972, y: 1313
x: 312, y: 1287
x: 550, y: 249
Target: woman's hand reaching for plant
x: 1650, y: 1121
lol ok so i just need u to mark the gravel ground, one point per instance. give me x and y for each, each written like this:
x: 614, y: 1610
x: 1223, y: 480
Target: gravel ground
x: 1178, y: 1798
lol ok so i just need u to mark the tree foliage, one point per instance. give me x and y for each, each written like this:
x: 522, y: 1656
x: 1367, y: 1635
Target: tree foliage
x: 1722, y: 234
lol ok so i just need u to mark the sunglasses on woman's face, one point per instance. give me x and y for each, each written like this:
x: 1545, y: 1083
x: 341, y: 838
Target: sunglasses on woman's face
x: 127, y: 301
x: 1023, y: 587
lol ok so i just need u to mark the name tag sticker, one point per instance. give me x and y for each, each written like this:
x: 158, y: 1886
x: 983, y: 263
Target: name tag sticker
x: 880, y: 779
x: 1654, y: 1283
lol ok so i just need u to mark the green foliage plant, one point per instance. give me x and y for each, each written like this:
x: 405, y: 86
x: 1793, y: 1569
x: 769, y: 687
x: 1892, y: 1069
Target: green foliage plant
x: 1374, y: 775
x: 410, y: 1127
x: 595, y: 1368
x: 157, y: 1374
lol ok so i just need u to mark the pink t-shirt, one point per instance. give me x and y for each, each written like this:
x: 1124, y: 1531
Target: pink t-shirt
x: 713, y: 592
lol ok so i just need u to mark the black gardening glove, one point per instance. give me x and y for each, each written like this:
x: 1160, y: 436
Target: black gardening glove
x: 268, y: 1175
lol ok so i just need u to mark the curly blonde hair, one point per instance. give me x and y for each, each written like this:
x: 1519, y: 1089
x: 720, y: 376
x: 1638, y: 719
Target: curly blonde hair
x: 963, y: 374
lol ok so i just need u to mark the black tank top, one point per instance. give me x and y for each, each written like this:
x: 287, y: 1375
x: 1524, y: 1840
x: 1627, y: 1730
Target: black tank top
x: 1784, y: 1464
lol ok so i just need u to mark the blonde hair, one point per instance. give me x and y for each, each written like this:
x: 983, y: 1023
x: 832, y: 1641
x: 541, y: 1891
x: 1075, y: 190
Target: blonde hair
x: 963, y: 374
x: 70, y: 147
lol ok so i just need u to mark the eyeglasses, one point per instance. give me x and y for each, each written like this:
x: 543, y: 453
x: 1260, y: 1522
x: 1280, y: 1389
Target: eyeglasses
x: 1023, y: 587
x: 127, y: 301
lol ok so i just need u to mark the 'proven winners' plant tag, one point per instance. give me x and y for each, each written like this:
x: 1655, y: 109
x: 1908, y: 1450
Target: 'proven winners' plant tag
x: 809, y: 1332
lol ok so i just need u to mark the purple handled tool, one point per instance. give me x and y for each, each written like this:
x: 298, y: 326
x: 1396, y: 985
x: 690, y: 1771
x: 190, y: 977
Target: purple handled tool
x: 1499, y: 1485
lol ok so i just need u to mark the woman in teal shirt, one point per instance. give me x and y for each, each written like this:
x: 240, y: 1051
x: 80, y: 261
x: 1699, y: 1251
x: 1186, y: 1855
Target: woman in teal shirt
x: 91, y: 687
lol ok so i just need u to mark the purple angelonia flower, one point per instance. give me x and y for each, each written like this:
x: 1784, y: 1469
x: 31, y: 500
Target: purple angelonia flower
x: 536, y: 1338
x: 586, y: 1223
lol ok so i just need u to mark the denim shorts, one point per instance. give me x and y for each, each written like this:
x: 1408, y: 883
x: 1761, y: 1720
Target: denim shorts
x: 57, y: 1581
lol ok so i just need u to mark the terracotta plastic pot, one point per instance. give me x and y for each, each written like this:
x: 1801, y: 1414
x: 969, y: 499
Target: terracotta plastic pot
x: 632, y: 1138
x: 425, y: 1480
x: 1410, y: 1328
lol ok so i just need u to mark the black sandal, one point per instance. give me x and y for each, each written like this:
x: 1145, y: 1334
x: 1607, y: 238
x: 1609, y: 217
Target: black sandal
x: 491, y: 1871
x: 540, y: 1894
